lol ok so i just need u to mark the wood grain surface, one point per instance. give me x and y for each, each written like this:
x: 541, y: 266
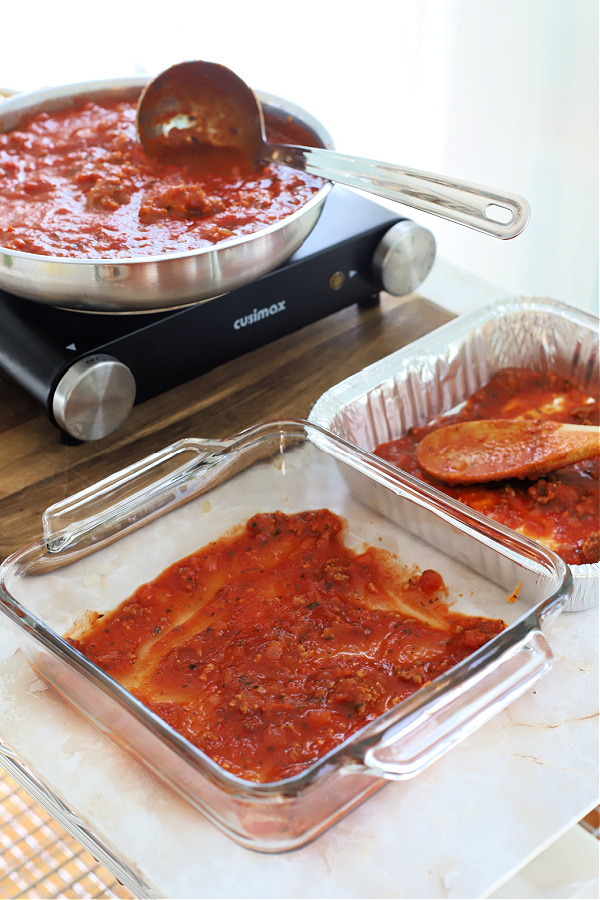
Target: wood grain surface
x: 39, y: 465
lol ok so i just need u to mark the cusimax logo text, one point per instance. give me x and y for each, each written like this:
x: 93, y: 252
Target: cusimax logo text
x: 257, y: 314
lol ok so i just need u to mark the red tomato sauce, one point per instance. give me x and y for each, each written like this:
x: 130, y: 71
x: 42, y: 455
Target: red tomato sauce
x: 276, y: 642
x: 559, y: 510
x: 78, y: 183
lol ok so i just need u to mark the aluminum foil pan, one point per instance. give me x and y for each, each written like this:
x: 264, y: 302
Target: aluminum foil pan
x: 439, y: 371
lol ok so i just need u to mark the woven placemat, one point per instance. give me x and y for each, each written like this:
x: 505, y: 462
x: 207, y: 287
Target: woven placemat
x: 39, y: 859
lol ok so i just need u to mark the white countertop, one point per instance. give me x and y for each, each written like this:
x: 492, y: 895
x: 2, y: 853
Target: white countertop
x: 457, y: 830
x: 460, y: 829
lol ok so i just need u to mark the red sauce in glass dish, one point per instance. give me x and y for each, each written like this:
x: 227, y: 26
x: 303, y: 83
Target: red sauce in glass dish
x: 77, y: 183
x: 276, y: 642
x: 559, y: 510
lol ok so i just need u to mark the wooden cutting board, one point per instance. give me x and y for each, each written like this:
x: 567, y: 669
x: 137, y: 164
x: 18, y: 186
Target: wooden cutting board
x: 39, y: 465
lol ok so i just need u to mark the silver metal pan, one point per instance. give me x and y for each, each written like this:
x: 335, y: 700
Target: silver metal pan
x: 152, y: 283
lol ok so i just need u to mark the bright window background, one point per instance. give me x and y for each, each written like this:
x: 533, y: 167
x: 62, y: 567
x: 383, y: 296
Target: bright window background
x: 499, y: 92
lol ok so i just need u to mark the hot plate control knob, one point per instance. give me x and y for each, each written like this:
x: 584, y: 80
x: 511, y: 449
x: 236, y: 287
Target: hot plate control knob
x: 93, y: 397
x: 403, y: 258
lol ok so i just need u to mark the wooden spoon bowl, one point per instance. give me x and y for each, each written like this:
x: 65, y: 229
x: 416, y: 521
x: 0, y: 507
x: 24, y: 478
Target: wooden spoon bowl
x: 494, y: 449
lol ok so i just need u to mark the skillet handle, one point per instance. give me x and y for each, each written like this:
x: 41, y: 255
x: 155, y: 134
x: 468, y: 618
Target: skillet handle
x: 500, y: 214
x: 125, y: 498
x: 415, y: 743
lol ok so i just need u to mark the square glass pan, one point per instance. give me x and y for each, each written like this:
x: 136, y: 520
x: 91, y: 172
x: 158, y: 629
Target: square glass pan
x: 435, y: 374
x: 104, y: 542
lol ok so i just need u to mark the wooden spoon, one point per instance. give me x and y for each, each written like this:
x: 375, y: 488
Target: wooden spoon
x: 493, y: 449
x: 197, y: 108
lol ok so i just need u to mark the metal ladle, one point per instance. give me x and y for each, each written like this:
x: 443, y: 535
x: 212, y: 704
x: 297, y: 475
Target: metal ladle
x: 199, y: 107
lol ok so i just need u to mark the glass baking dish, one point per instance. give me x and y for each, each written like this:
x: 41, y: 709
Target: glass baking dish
x: 101, y: 544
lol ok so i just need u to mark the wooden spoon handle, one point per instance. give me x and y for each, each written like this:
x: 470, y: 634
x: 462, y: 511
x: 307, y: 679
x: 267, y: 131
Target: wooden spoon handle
x: 575, y: 442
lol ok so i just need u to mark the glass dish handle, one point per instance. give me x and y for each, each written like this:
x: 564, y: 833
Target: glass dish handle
x: 124, y: 494
x: 414, y: 744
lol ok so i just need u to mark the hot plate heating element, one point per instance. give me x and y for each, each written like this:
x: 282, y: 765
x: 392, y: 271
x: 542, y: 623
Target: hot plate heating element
x: 89, y: 369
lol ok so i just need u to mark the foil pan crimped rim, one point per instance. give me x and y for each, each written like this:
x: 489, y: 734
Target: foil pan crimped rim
x: 438, y: 371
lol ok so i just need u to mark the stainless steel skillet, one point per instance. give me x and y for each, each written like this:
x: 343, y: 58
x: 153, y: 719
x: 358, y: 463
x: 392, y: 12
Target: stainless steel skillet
x: 153, y: 283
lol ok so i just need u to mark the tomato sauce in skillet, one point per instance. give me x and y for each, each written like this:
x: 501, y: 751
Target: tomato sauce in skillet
x: 559, y: 510
x: 77, y: 183
x: 276, y: 642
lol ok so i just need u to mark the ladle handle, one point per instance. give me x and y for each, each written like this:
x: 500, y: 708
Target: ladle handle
x: 502, y: 215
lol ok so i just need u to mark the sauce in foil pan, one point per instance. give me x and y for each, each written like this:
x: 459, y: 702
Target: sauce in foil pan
x: 437, y: 373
